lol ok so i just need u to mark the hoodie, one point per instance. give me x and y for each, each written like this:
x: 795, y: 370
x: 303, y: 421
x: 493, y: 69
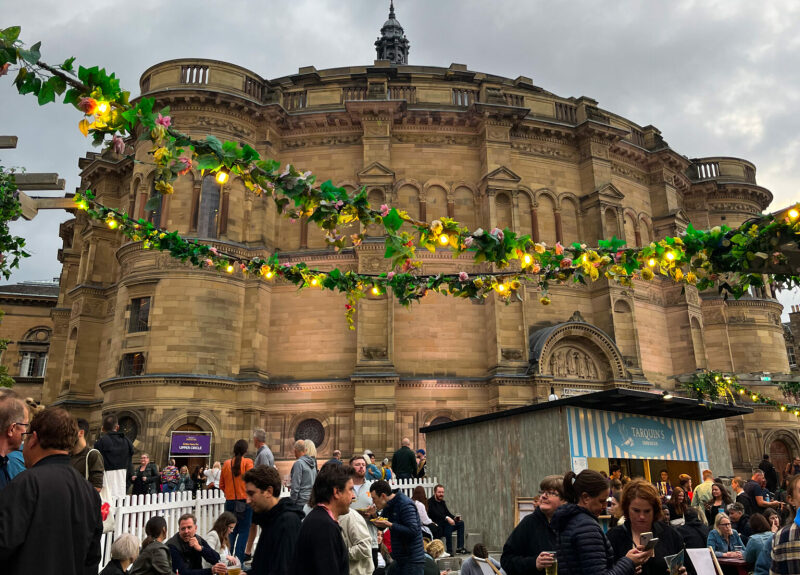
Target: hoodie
x: 280, y: 527
x: 582, y: 545
x: 304, y: 472
x: 116, y: 450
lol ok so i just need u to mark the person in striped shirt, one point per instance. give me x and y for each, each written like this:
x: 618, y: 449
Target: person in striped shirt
x: 786, y: 543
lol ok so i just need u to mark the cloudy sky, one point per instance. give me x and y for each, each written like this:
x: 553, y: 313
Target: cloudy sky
x: 717, y: 77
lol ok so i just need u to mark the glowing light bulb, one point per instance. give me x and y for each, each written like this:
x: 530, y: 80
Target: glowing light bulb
x: 376, y: 290
x: 754, y: 397
x: 229, y: 269
x: 102, y: 107
x: 741, y: 392
x: 269, y: 274
x: 794, y: 214
x: 651, y: 262
x: 670, y: 256
x: 444, y: 239
x: 112, y: 223
x: 501, y: 288
x: 222, y: 175
x: 797, y: 412
x: 527, y: 259
x: 783, y: 408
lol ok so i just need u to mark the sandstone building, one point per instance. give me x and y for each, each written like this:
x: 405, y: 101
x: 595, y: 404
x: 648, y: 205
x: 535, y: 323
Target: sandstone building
x: 168, y: 346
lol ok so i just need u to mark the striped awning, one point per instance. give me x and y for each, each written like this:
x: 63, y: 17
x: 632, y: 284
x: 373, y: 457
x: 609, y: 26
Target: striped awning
x: 605, y: 434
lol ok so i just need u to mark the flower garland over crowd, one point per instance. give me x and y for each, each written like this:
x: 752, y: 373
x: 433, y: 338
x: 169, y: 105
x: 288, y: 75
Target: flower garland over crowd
x: 712, y: 386
x: 733, y: 260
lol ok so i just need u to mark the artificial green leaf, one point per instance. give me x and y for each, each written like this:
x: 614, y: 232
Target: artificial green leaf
x: 153, y: 203
x: 207, y: 162
x: 58, y: 84
x: 46, y: 94
x: 392, y: 221
x: 11, y: 34
x: 72, y: 96
x: 214, y: 144
x: 67, y: 65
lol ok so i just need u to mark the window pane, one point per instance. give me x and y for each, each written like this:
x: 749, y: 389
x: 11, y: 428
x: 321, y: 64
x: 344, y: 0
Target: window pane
x: 140, y: 314
x: 132, y: 364
x: 208, y: 214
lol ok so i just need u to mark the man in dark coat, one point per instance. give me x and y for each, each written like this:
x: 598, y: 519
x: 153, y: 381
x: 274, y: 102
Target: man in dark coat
x: 50, y: 519
x: 694, y: 533
x: 188, y: 550
x: 117, y: 452
x: 400, y: 517
x: 279, y: 519
x: 404, y: 462
x: 438, y: 511
x: 321, y: 549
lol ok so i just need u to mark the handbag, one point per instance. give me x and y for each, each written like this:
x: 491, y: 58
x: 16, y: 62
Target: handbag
x: 106, y: 503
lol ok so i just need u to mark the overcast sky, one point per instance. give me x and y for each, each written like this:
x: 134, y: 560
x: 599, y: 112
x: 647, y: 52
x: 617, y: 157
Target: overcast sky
x: 717, y: 77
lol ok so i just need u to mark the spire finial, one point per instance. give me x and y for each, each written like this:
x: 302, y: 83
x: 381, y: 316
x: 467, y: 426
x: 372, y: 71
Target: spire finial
x: 391, y: 8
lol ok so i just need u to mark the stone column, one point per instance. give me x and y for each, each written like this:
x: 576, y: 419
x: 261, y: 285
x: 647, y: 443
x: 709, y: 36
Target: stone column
x: 515, y: 211
x: 559, y: 232
x: 223, y: 213
x: 534, y: 224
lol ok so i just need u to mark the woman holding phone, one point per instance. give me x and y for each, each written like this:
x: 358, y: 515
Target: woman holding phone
x: 641, y: 506
x: 582, y: 545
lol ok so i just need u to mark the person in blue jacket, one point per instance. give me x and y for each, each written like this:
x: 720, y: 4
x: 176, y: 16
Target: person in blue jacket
x: 400, y: 517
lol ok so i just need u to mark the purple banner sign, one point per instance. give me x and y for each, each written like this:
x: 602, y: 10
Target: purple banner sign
x: 190, y: 444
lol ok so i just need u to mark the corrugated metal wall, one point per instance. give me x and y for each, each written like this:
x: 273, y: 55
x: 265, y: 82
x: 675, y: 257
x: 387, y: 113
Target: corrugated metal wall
x: 485, y: 466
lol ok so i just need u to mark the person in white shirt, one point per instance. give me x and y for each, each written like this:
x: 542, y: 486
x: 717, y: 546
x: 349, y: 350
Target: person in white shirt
x: 212, y: 476
x: 218, y: 538
x: 421, y: 502
x: 363, y: 501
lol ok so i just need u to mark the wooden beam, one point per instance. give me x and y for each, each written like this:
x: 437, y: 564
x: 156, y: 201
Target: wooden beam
x: 32, y: 204
x: 8, y: 142
x: 38, y: 182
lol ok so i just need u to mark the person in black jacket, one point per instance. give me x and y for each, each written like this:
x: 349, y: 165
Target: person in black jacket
x: 50, y: 519
x: 400, y: 517
x: 531, y: 546
x: 769, y: 473
x: 279, y: 519
x: 188, y: 550
x: 641, y: 506
x: 117, y: 452
x: 694, y: 533
x: 321, y: 549
x: 438, y: 511
x: 404, y: 462
x: 582, y: 546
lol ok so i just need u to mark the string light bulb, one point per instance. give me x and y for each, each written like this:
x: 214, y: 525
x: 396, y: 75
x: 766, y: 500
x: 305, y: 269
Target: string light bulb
x: 269, y: 274
x: 651, y: 262
x: 501, y: 288
x: 754, y: 397
x: 102, y: 107
x: 741, y: 392
x: 797, y: 412
x: 229, y: 269
x: 112, y: 223
x: 376, y: 290
x: 794, y: 214
x: 670, y: 256
x: 223, y: 175
x: 315, y: 281
x: 444, y: 239
x: 783, y: 408
x: 527, y: 259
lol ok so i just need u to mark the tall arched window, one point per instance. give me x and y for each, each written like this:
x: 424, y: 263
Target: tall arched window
x: 154, y: 217
x: 208, y: 214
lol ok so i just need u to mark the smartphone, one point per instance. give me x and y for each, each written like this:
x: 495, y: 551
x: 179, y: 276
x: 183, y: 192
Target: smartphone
x: 644, y: 540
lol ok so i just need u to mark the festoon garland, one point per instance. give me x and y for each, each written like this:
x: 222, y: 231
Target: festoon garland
x: 732, y: 259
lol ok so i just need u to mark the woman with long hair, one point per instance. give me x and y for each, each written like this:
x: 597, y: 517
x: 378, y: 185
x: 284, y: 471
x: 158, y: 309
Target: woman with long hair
x: 583, y: 547
x: 720, y: 499
x: 212, y: 476
x: 232, y: 484
x: 759, y: 544
x: 219, y: 538
x: 677, y: 506
x: 421, y: 503
x: 154, y: 559
x: 724, y: 539
x: 641, y: 507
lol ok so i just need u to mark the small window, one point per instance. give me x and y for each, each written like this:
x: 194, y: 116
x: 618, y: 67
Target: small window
x: 33, y: 364
x: 140, y: 314
x: 132, y: 364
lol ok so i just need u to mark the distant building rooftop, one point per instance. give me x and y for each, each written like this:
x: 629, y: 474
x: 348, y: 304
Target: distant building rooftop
x: 35, y: 289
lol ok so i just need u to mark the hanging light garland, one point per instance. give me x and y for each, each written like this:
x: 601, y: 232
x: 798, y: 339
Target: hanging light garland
x: 716, y: 385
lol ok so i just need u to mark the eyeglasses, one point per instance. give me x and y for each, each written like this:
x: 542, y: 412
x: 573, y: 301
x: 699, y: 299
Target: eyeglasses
x: 550, y: 493
x: 724, y: 524
x: 25, y: 425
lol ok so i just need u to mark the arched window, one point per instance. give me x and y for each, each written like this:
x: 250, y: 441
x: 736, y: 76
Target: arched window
x: 33, y: 352
x: 208, y: 214
x: 310, y: 429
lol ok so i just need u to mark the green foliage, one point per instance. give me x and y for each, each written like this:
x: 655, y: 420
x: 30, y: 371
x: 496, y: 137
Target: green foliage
x: 5, y: 379
x: 11, y: 247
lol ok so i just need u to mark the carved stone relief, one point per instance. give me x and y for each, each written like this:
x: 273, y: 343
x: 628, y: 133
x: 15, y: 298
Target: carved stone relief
x: 574, y: 363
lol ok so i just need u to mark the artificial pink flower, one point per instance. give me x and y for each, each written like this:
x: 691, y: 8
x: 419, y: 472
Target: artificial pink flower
x: 88, y: 106
x: 498, y: 233
x: 4, y: 69
x: 209, y: 262
x: 407, y: 265
x: 389, y: 276
x: 566, y: 263
x: 187, y: 165
x: 468, y: 241
x: 339, y: 204
x: 463, y: 276
x: 118, y: 145
x: 536, y: 268
x: 213, y: 251
x: 165, y: 121
x: 384, y: 210
x: 559, y: 249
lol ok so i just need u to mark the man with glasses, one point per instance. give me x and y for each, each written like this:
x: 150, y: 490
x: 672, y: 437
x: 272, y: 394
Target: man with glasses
x: 531, y: 546
x: 13, y: 424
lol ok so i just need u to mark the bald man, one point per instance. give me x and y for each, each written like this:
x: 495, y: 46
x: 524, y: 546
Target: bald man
x: 404, y: 462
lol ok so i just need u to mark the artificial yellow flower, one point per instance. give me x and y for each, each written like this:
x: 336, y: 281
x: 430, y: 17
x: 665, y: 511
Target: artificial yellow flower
x: 678, y: 274
x: 594, y: 273
x: 539, y: 248
x: 515, y: 284
x: 478, y: 282
x: 691, y: 278
x: 647, y: 274
x: 161, y: 155
x: 164, y: 187
x: 544, y: 300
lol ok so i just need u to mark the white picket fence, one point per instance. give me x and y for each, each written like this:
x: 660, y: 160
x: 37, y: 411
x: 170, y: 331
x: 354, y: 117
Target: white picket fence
x: 132, y: 513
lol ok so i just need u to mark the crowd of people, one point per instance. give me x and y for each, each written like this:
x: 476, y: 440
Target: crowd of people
x: 339, y: 519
